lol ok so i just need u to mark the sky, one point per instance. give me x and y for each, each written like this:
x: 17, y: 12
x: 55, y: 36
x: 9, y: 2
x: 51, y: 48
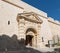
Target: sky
x: 51, y: 7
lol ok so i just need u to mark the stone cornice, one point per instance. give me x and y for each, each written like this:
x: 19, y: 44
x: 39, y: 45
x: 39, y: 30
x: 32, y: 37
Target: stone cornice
x: 54, y: 22
x: 35, y: 13
x: 30, y: 19
x: 26, y: 16
x: 45, y: 18
x: 40, y: 15
x: 49, y: 20
x: 13, y: 4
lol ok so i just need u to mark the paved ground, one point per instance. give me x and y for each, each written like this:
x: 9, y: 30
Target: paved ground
x: 29, y: 50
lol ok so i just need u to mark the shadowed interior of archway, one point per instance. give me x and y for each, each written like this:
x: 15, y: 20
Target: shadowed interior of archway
x: 30, y: 34
x: 29, y: 40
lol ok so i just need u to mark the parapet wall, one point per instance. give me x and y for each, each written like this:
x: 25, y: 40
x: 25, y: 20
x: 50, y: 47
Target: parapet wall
x: 26, y: 7
x: 50, y: 19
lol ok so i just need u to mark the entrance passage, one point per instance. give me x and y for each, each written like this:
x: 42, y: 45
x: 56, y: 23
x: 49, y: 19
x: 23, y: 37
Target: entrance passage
x: 31, y: 37
x: 29, y: 40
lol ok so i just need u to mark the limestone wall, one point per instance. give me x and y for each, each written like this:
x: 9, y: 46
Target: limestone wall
x: 55, y: 28
x: 9, y: 13
x: 27, y: 7
x: 45, y: 31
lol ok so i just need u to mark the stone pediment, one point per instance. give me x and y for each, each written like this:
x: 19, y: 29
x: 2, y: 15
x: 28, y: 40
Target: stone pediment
x: 31, y: 16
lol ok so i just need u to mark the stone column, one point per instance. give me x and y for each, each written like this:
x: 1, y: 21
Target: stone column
x: 38, y: 36
x: 35, y: 41
x: 21, y: 29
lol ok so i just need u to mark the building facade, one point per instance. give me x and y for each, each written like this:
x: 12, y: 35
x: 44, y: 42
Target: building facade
x: 27, y: 22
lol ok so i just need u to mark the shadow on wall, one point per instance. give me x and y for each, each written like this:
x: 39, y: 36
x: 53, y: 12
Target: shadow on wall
x: 13, y: 44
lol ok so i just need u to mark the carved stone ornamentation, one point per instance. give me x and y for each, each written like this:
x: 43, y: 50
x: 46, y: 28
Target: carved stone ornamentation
x: 30, y: 30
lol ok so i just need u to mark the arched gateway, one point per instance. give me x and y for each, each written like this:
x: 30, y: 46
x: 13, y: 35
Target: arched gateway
x: 29, y: 28
x: 31, y: 37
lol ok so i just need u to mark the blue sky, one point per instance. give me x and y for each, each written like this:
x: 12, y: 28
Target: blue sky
x: 51, y: 7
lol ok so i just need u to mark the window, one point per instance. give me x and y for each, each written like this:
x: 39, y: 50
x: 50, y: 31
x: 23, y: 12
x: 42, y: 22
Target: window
x: 8, y: 22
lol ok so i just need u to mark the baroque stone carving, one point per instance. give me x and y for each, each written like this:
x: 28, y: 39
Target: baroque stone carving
x: 31, y: 16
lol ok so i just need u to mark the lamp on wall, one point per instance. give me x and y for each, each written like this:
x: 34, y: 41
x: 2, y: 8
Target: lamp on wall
x: 42, y: 39
x: 58, y: 38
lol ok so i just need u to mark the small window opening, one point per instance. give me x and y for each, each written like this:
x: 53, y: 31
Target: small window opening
x: 8, y: 22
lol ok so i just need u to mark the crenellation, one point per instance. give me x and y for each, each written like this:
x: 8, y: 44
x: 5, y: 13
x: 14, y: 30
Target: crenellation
x: 57, y: 21
x: 53, y: 21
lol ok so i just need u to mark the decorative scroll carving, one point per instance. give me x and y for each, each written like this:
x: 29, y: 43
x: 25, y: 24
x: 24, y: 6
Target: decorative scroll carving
x: 30, y: 17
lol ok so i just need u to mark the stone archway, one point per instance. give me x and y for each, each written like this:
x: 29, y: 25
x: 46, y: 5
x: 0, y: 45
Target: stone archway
x: 31, y: 37
x: 27, y: 29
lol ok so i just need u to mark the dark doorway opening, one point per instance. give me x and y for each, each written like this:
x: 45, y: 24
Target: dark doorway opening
x: 29, y: 40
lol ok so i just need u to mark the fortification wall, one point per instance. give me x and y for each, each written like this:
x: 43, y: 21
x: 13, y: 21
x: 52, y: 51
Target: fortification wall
x: 8, y: 15
x: 55, y: 28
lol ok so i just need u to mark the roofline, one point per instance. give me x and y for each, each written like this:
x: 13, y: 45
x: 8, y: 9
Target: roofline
x: 23, y: 9
x: 48, y: 20
x: 13, y: 4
